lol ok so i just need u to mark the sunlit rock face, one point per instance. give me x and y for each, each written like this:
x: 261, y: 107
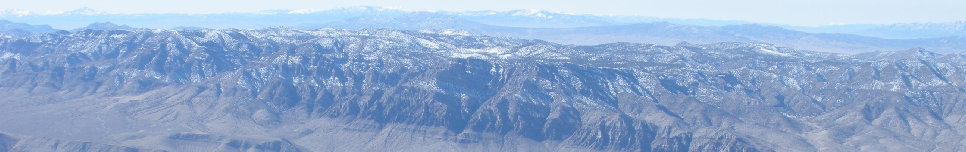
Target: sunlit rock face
x: 389, y: 90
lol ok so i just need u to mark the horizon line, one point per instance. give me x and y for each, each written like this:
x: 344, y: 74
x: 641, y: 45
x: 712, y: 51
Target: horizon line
x: 87, y: 11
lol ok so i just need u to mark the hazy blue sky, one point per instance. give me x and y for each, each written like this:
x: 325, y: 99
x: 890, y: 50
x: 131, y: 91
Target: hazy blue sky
x: 793, y: 12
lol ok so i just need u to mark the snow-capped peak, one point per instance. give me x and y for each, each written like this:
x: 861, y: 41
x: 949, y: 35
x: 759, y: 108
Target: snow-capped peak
x: 84, y: 11
x: 533, y: 13
x: 80, y: 11
x: 302, y: 11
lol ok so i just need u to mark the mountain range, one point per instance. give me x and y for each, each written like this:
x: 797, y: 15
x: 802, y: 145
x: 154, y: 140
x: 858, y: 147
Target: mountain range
x: 381, y: 79
x: 282, y: 89
x: 514, y: 18
x: 558, y: 28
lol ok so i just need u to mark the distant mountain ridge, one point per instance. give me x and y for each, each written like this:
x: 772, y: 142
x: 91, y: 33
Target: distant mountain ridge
x: 22, y: 29
x: 512, y: 18
x: 895, y: 31
x: 105, y: 26
x: 656, y: 33
x: 301, y: 18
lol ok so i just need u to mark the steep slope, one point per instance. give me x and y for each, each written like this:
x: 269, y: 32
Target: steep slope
x: 377, y: 90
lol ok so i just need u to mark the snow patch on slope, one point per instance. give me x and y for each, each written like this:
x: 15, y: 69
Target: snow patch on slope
x: 481, y: 52
x: 770, y: 50
x: 8, y: 55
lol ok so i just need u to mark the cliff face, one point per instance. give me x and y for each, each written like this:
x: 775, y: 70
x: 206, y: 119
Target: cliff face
x: 322, y: 90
